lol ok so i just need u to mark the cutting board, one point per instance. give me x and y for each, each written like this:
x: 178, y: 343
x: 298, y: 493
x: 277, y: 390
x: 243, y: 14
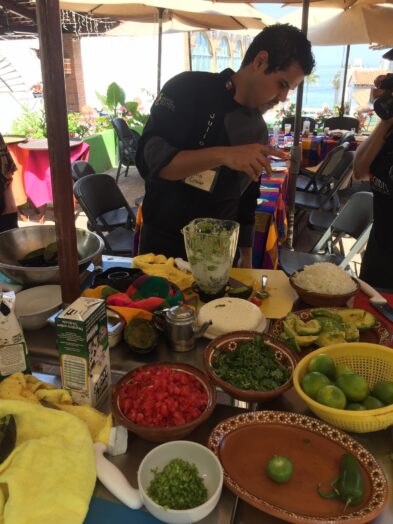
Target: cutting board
x: 105, y: 512
x: 282, y: 296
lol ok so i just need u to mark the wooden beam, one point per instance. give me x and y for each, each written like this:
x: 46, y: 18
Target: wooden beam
x: 19, y: 9
x: 51, y: 52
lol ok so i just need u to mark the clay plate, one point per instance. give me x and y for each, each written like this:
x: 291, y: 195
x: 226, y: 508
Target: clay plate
x: 379, y: 334
x: 246, y: 442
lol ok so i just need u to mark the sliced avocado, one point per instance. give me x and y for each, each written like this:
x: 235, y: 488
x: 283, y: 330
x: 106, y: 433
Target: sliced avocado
x: 240, y: 292
x: 351, y: 332
x: 140, y: 335
x: 312, y: 327
x: 367, y: 322
x: 289, y: 328
x: 326, y: 338
x: 351, y: 314
x: 50, y: 252
x: 331, y: 324
x: 324, y: 312
x: 307, y: 340
x: 291, y: 342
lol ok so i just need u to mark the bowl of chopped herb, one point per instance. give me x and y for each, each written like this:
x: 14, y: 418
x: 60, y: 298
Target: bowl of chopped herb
x: 249, y: 365
x: 180, y: 482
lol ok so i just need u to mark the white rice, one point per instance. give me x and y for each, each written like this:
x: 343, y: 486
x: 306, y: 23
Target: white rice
x: 324, y: 278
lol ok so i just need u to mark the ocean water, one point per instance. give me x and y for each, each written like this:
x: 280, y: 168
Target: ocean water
x: 323, y: 91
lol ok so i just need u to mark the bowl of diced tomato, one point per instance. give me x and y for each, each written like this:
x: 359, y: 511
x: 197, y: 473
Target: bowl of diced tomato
x: 163, y: 402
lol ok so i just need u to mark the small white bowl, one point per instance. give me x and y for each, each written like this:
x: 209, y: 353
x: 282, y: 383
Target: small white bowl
x: 35, y: 305
x: 209, y: 468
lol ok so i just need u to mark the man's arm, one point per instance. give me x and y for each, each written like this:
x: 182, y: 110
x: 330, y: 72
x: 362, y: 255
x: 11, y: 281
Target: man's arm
x: 368, y: 150
x: 250, y: 159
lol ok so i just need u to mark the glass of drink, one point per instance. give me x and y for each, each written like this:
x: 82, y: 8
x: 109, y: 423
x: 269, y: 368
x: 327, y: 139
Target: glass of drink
x: 326, y: 131
x: 287, y: 129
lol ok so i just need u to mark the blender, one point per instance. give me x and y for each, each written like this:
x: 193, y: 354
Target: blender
x: 211, y: 246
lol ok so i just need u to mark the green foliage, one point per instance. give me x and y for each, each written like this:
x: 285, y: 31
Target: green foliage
x: 30, y: 123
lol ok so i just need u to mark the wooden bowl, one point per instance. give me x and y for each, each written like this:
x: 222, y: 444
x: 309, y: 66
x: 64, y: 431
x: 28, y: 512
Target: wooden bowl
x: 229, y: 342
x: 164, y: 434
x: 323, y: 299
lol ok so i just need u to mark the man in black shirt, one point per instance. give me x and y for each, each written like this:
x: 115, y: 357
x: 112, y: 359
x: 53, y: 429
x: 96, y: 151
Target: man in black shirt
x: 201, y: 152
x: 374, y: 161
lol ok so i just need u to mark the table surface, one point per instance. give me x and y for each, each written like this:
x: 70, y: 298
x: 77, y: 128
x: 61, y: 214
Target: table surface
x: 41, y: 345
x: 14, y: 139
x: 41, y: 144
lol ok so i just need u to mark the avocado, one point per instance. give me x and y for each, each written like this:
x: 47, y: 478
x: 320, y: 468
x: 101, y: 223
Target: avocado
x: 50, y: 253
x: 240, y: 292
x: 291, y: 342
x: 325, y: 312
x: 350, y: 314
x: 326, y: 338
x: 367, y: 322
x: 351, y: 332
x: 289, y: 325
x: 140, y: 335
x: 312, y: 327
x: 307, y: 340
x: 331, y: 324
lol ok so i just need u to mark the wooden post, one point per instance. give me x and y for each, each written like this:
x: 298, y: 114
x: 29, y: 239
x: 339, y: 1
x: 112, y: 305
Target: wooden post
x: 51, y: 51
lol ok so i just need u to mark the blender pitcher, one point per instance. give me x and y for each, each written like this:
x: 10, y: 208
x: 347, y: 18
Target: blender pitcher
x: 211, y: 245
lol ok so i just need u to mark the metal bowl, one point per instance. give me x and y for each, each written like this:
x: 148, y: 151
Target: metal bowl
x: 17, y: 243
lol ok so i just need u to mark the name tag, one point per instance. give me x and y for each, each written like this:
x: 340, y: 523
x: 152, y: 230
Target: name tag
x: 205, y: 180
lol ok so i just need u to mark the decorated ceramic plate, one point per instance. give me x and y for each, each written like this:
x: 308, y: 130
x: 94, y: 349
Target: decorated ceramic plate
x: 245, y: 443
x: 379, y: 334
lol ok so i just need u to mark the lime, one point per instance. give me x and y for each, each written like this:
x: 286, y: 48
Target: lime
x: 343, y: 369
x: 312, y: 382
x: 354, y: 386
x: 279, y: 469
x: 372, y: 403
x: 384, y: 392
x: 355, y: 406
x: 323, y: 363
x: 332, y: 396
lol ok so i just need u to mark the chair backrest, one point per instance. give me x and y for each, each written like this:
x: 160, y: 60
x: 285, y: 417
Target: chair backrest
x: 347, y: 137
x: 342, y: 122
x: 128, y: 141
x: 331, y: 161
x: 337, y: 178
x: 355, y: 219
x: 291, y: 120
x: 81, y: 168
x: 97, y: 194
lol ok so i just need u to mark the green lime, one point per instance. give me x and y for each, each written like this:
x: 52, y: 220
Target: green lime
x: 372, y: 403
x: 279, y: 469
x: 355, y: 406
x: 332, y: 396
x: 312, y: 382
x: 383, y: 391
x: 354, y: 387
x: 323, y: 363
x: 343, y: 369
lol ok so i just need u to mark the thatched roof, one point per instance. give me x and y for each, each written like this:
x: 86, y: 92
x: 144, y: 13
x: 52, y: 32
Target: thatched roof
x: 18, y: 20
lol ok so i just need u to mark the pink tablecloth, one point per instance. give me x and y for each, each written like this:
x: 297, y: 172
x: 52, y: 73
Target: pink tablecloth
x: 37, y: 175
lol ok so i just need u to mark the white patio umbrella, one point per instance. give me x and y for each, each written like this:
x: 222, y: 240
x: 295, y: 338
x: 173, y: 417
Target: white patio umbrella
x: 193, y: 14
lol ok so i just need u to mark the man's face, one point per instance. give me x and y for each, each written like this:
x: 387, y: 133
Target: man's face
x: 267, y: 90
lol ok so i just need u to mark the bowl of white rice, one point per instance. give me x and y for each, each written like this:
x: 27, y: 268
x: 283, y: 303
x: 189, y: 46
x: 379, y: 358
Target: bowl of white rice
x: 324, y: 284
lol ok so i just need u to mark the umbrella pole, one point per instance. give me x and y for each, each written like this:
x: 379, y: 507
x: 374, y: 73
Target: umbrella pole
x: 296, y: 153
x: 342, y: 107
x: 160, y: 17
x: 189, y: 50
x: 51, y: 47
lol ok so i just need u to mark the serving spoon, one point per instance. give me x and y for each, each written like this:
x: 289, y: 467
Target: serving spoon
x: 263, y: 293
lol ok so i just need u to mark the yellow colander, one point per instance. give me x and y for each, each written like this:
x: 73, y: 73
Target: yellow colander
x: 374, y: 363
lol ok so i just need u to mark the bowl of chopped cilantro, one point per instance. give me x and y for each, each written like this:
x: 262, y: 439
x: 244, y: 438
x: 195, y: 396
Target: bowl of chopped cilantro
x: 250, y: 366
x: 180, y: 482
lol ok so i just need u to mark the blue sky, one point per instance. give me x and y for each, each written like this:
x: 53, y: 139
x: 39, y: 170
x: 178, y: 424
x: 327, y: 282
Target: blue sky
x: 329, y: 55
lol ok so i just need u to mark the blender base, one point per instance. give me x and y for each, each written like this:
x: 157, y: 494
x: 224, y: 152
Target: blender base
x: 207, y: 297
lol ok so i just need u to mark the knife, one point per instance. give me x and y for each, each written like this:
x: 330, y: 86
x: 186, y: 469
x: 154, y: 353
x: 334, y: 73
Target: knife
x: 377, y: 301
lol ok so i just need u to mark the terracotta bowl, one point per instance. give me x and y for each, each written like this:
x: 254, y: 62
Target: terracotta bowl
x: 229, y: 342
x: 164, y: 434
x: 322, y: 299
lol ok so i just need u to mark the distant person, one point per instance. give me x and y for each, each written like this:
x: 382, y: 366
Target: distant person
x: 374, y: 161
x: 209, y: 125
x: 8, y: 211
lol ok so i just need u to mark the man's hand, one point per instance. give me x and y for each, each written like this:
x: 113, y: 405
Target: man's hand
x: 252, y: 159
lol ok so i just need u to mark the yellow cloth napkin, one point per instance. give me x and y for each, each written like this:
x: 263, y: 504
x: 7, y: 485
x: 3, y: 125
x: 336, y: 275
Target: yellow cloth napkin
x: 161, y: 266
x: 29, y: 388
x: 50, y: 475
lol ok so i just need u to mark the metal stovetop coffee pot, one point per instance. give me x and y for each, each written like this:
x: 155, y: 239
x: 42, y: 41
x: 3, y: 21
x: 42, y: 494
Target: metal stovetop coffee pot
x: 179, y: 323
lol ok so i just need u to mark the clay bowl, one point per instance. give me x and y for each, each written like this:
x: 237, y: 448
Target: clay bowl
x: 230, y: 342
x: 323, y: 299
x: 168, y: 433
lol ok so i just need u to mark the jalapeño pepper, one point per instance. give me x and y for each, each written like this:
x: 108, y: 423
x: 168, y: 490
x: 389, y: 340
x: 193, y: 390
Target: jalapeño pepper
x: 348, y: 486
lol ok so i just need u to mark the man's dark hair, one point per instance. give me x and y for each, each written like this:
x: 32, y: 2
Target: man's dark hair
x: 285, y: 45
